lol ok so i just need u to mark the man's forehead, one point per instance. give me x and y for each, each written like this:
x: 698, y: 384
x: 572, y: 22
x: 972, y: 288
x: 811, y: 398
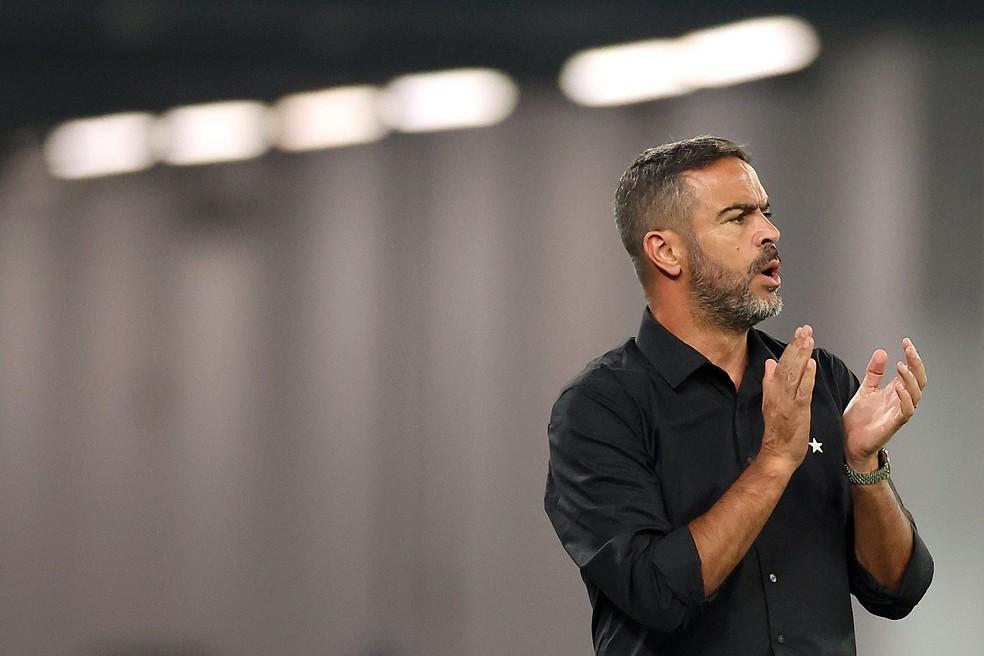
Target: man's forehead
x: 726, y: 181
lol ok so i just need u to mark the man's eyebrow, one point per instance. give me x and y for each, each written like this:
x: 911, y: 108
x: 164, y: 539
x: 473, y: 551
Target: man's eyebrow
x: 745, y: 207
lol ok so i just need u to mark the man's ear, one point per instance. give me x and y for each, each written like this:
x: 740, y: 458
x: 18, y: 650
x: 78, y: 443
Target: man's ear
x: 664, y: 249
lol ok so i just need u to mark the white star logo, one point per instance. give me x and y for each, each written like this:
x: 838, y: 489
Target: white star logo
x: 816, y: 446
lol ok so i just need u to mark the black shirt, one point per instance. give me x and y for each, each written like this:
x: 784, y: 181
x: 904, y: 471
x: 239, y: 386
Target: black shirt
x: 648, y: 437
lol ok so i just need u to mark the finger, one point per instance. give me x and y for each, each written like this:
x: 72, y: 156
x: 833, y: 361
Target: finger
x: 909, y: 382
x: 789, y: 371
x: 791, y: 347
x: 915, y: 362
x: 797, y: 364
x: 876, y: 369
x: 906, y: 407
x: 805, y: 392
x: 770, y: 371
x: 788, y: 354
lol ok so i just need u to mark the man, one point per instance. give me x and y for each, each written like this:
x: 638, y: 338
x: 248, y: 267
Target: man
x: 723, y: 492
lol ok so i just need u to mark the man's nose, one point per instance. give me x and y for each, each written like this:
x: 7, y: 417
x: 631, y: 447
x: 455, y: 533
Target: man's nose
x: 769, y: 232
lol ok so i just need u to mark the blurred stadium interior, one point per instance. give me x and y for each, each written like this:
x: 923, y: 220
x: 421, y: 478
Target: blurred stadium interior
x: 296, y: 405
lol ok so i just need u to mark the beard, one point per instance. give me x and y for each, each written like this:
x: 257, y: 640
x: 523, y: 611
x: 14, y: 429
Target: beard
x: 723, y: 298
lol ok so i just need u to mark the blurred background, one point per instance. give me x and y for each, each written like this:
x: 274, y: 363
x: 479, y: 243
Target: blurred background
x: 281, y: 319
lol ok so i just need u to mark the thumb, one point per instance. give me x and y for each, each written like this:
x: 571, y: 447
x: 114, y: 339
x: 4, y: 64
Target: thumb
x: 876, y: 369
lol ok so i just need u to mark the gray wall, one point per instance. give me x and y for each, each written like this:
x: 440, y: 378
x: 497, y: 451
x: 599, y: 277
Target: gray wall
x: 298, y: 405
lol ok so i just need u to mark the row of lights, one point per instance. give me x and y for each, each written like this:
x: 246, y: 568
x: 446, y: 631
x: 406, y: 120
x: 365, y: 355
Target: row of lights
x: 239, y: 130
x: 446, y: 100
x: 714, y: 57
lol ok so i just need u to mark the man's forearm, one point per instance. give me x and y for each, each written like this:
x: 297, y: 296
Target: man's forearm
x: 882, y: 532
x: 725, y: 533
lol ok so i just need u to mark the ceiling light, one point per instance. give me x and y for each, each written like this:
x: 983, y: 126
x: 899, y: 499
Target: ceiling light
x: 105, y: 145
x: 446, y: 100
x: 713, y: 57
x: 216, y: 132
x: 329, y: 118
x: 749, y: 50
x: 617, y: 75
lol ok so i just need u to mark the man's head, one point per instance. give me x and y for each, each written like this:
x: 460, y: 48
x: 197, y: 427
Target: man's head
x: 693, y: 217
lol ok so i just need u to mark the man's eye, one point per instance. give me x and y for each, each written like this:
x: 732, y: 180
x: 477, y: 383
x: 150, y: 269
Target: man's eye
x: 738, y: 219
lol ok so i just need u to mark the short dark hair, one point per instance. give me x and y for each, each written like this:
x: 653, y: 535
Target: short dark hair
x: 652, y: 196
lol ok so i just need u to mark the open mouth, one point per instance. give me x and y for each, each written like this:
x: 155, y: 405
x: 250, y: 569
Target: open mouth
x: 771, y: 272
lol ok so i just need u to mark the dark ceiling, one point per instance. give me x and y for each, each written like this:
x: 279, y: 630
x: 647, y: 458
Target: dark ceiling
x: 68, y: 59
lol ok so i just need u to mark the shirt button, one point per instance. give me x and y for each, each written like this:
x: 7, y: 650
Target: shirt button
x: 773, y: 578
x: 748, y: 460
x: 780, y: 638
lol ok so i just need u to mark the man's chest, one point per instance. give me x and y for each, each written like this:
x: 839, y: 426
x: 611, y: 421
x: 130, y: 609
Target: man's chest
x: 703, y: 437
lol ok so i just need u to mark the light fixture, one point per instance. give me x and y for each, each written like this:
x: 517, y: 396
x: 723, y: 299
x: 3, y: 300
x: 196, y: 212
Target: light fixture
x: 748, y: 50
x: 104, y: 145
x: 446, y: 100
x: 617, y: 75
x: 329, y: 118
x: 713, y: 57
x: 214, y: 132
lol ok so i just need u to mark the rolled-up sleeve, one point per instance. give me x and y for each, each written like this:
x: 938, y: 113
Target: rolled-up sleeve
x: 884, y: 602
x: 604, y: 501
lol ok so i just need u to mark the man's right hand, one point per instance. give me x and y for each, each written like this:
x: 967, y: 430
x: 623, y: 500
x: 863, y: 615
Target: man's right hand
x: 787, y: 390
x: 724, y: 533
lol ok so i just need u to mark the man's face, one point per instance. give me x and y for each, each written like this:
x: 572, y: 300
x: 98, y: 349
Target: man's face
x: 733, y: 259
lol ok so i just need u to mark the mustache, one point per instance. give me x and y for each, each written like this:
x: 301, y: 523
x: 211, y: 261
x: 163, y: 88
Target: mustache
x: 771, y: 252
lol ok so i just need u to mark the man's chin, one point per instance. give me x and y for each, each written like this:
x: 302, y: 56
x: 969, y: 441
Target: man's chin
x: 767, y: 310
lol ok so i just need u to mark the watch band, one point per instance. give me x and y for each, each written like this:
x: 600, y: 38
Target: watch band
x: 883, y: 473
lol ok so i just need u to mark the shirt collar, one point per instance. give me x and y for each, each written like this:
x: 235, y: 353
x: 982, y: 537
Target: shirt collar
x: 676, y: 360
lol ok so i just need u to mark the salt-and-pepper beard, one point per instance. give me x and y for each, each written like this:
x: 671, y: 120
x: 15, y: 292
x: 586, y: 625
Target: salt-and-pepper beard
x: 724, y: 299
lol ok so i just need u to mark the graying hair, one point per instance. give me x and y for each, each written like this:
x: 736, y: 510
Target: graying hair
x: 651, y: 194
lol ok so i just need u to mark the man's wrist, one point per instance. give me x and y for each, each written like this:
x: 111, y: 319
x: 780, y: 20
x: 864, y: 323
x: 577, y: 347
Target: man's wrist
x: 863, y: 464
x: 774, y: 465
x: 867, y: 475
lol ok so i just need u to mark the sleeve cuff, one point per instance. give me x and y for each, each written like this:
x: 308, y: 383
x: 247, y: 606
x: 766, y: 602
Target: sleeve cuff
x: 676, y: 558
x: 896, y: 604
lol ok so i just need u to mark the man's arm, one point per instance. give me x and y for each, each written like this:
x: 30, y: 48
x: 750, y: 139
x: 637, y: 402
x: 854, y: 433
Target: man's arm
x: 725, y: 533
x: 883, y: 534
x: 608, y: 510
x: 895, y: 598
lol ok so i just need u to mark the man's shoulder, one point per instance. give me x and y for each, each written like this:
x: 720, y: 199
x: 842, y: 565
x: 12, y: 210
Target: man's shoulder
x: 614, y: 385
x: 614, y: 373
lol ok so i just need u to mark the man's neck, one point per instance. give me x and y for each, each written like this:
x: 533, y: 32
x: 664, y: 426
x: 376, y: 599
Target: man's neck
x: 727, y: 349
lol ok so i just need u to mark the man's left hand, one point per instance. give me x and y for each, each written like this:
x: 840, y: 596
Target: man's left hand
x: 875, y: 414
